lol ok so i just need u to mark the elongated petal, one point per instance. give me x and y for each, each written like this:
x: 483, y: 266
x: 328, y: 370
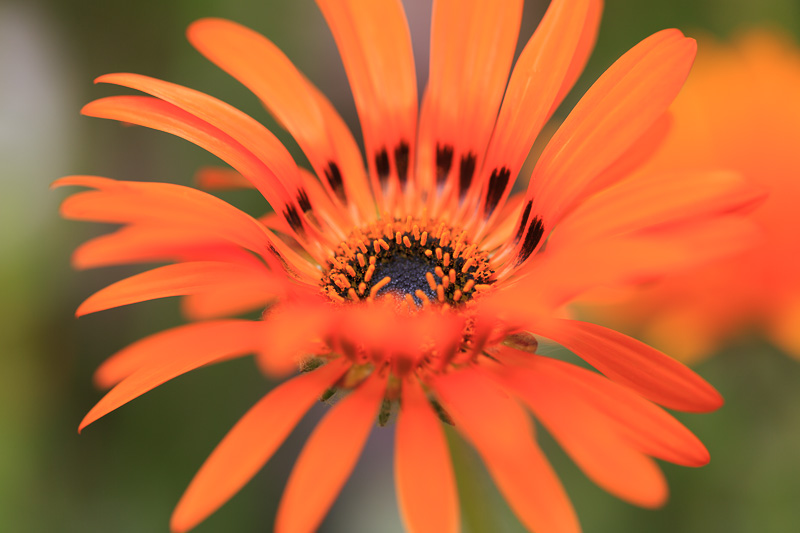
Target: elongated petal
x: 647, y: 202
x: 299, y: 107
x: 246, y: 131
x: 500, y: 430
x: 648, y: 427
x: 535, y: 83
x: 590, y: 440
x: 163, y: 116
x: 220, y: 178
x: 649, y: 372
x: 328, y: 458
x: 375, y: 46
x: 426, y: 487
x: 250, y: 444
x: 174, y: 280
x: 169, y: 354
x: 142, y: 243
x: 472, y: 47
x: 175, y: 207
x: 569, y: 268
x: 627, y: 99
x: 583, y: 51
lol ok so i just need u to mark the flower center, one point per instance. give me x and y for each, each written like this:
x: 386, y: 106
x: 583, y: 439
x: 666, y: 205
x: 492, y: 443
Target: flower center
x: 419, y: 261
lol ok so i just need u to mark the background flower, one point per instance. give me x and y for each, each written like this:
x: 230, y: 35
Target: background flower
x: 48, y: 358
x: 740, y: 111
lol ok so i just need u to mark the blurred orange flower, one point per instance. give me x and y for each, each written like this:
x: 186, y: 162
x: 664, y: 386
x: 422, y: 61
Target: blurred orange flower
x: 739, y: 110
x: 416, y: 286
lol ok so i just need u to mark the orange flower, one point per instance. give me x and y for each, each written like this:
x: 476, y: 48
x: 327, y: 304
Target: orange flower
x: 691, y: 314
x: 416, y: 286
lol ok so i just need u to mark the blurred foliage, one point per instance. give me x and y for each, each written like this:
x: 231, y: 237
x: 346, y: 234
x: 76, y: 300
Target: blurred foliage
x: 126, y: 472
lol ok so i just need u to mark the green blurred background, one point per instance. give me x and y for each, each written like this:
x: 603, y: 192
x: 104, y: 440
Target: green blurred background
x: 126, y: 472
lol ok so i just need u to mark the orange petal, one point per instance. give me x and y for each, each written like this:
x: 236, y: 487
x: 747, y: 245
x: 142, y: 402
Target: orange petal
x: 171, y: 280
x: 426, y: 486
x: 647, y: 202
x: 532, y: 90
x: 250, y: 444
x: 375, y: 46
x: 621, y: 106
x: 296, y: 103
x: 589, y: 439
x: 242, y: 128
x: 328, y: 458
x: 140, y: 243
x: 220, y: 178
x: 582, y: 52
x: 179, y: 208
x: 500, y: 430
x: 155, y: 360
x: 163, y: 116
x: 472, y: 47
x: 652, y: 374
x: 570, y: 267
x: 648, y: 427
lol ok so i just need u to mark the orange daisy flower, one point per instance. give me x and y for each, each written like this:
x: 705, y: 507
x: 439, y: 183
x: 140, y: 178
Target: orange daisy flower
x: 758, y: 289
x: 419, y: 285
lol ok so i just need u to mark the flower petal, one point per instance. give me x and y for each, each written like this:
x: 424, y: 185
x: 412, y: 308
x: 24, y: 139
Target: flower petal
x: 620, y: 107
x: 158, y: 359
x: 426, y: 486
x: 500, y: 430
x: 142, y: 243
x: 647, y: 202
x: 178, y: 280
x: 164, y: 116
x: 250, y: 444
x: 652, y: 374
x: 175, y: 207
x: 535, y: 83
x: 648, y: 427
x: 472, y: 47
x: 589, y: 439
x: 296, y: 103
x: 375, y: 46
x: 328, y: 458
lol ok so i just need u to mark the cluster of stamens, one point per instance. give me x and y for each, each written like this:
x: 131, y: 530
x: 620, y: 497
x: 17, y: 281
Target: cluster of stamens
x: 421, y: 262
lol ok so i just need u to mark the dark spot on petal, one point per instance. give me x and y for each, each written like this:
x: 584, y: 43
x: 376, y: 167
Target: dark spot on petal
x: 444, y: 160
x: 401, y: 162
x: 382, y: 165
x: 293, y: 218
x: 534, y: 235
x: 334, y: 177
x: 303, y: 201
x: 466, y: 172
x: 523, y: 222
x: 497, y: 186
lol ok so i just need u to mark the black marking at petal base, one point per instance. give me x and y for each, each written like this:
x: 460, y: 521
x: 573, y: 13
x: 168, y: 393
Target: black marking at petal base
x: 401, y: 162
x: 444, y: 160
x: 291, y: 216
x: 382, y: 165
x: 466, y: 172
x: 334, y: 177
x: 303, y: 201
x: 497, y: 186
x: 523, y: 222
x: 535, y: 233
